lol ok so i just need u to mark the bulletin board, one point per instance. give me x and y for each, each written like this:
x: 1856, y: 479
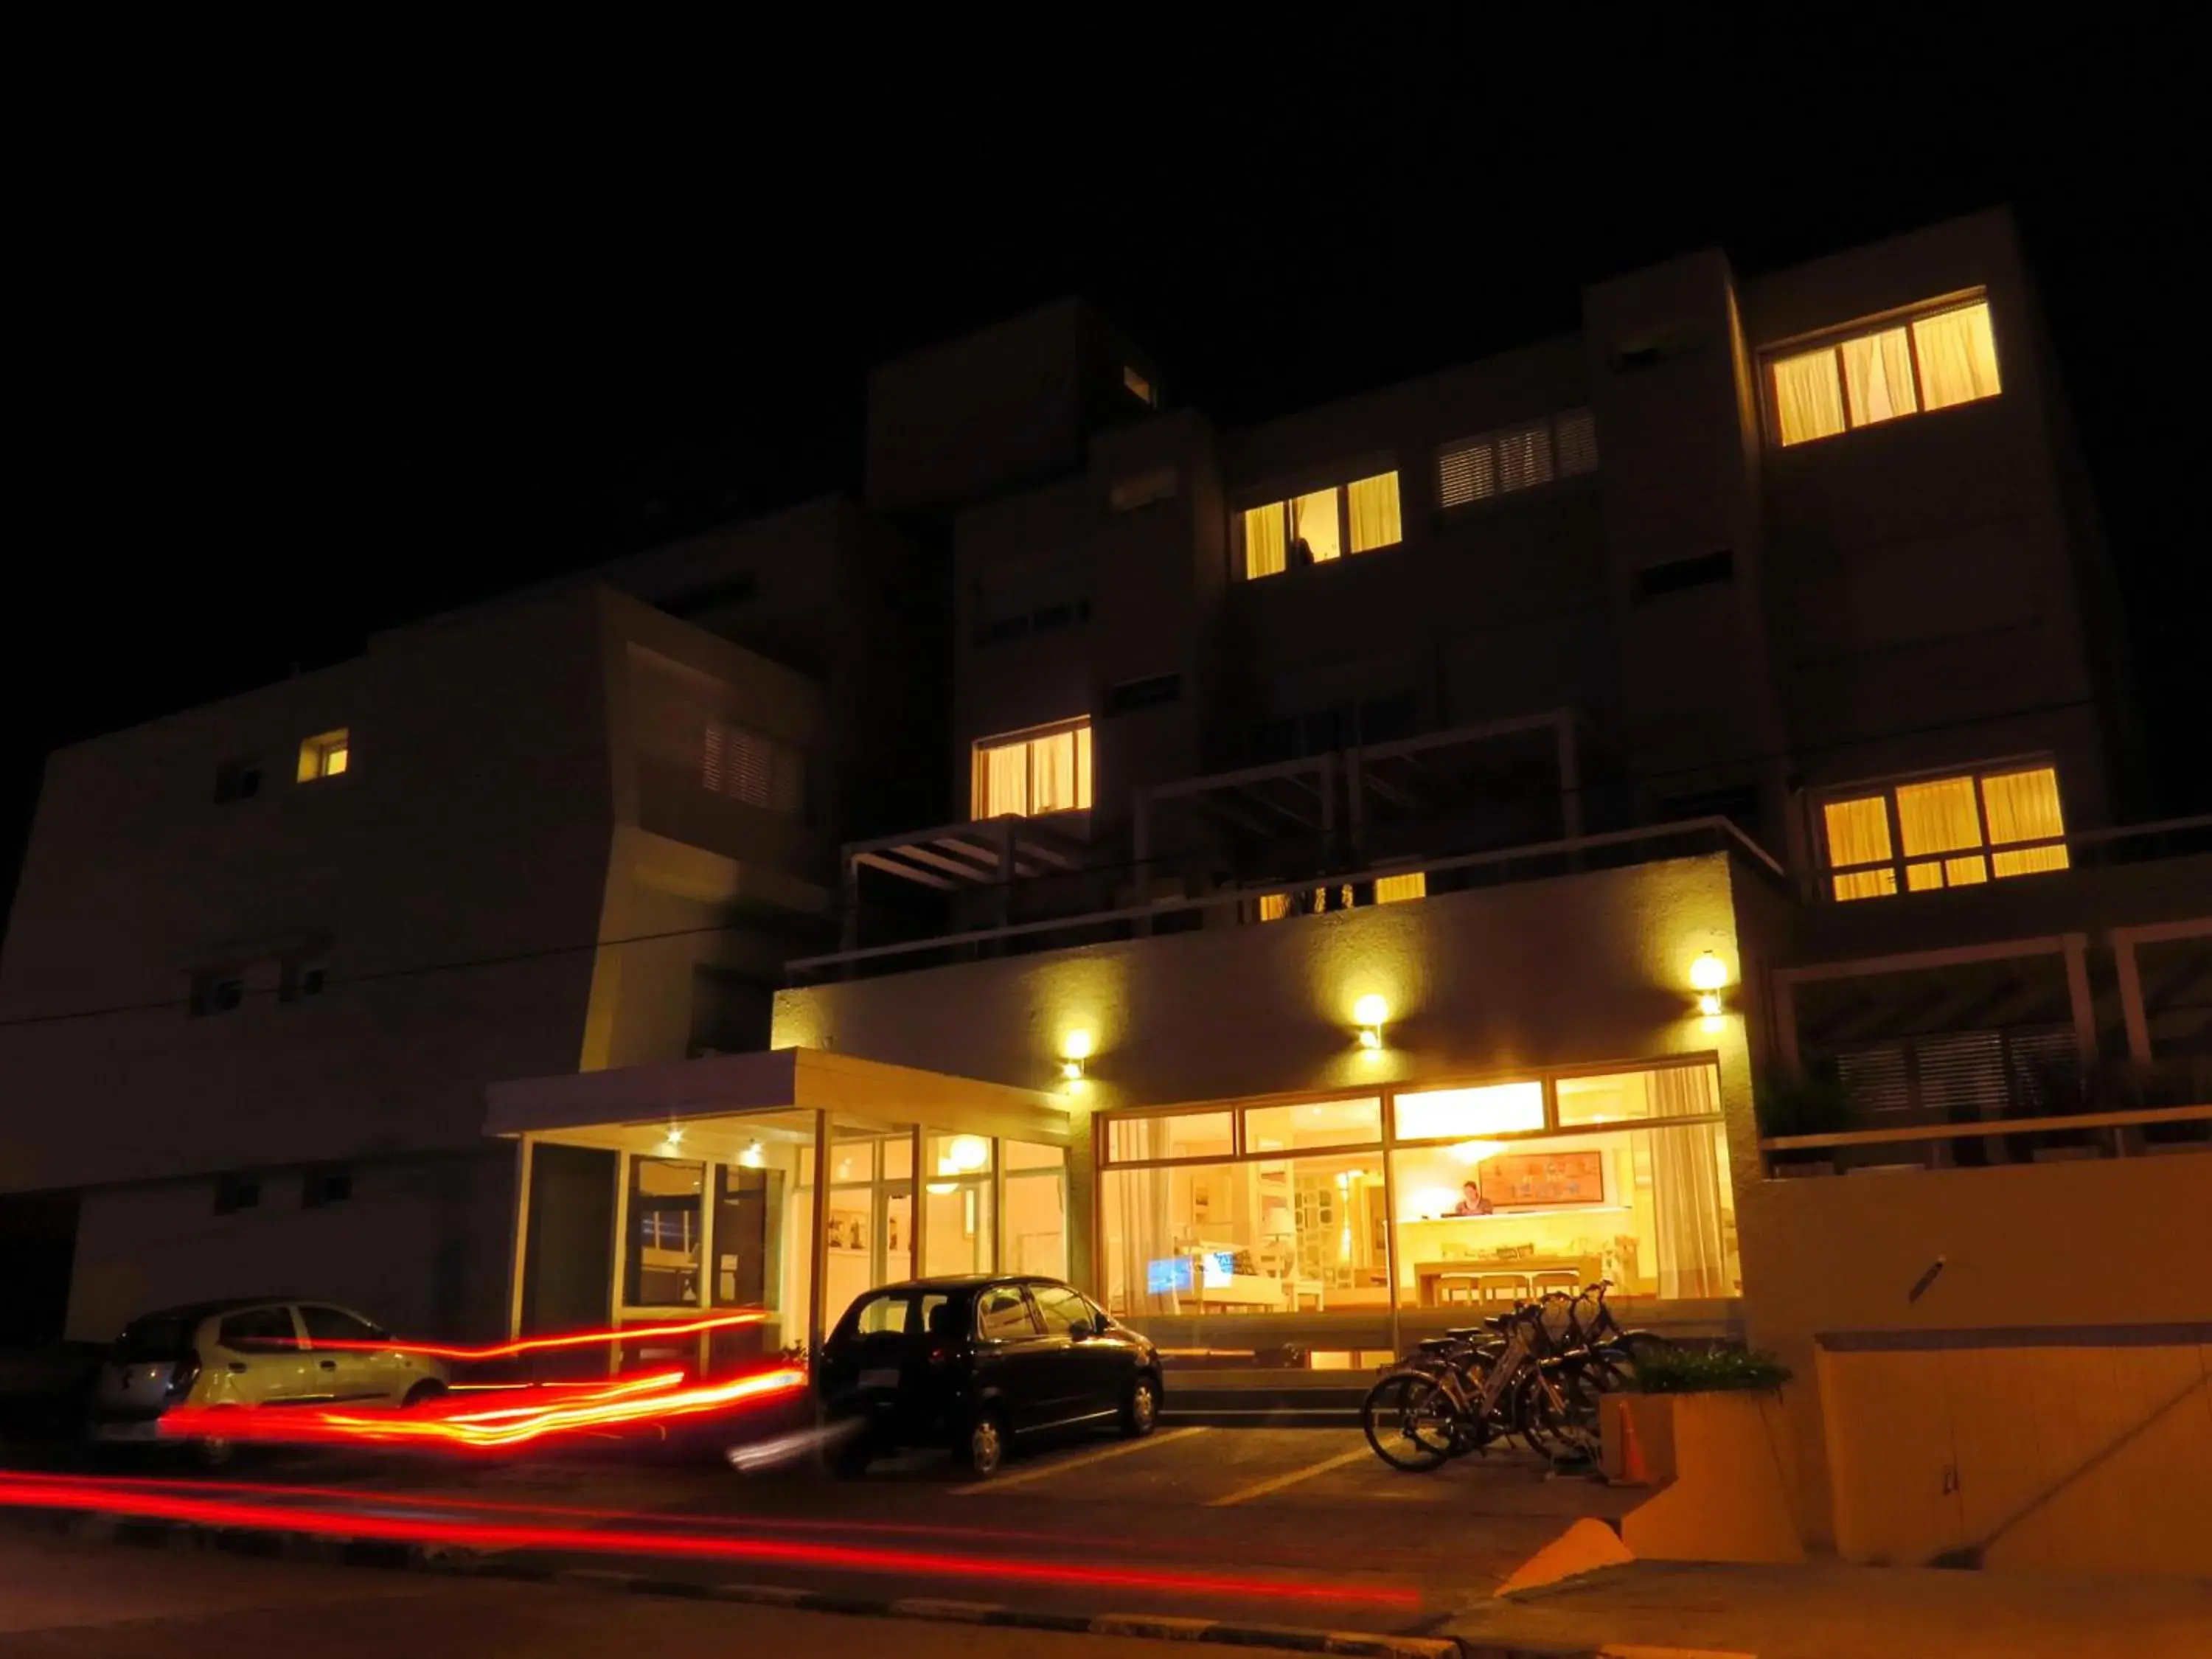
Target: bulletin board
x: 1528, y: 1180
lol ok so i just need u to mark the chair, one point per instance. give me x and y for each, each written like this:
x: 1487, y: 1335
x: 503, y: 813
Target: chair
x: 1501, y: 1287
x: 1555, y: 1279
x: 1456, y: 1287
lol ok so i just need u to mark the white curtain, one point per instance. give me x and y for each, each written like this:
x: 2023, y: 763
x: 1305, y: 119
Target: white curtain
x: 1313, y: 521
x: 1685, y: 1191
x: 1265, y: 549
x: 1051, y: 773
x: 1137, y: 1219
x: 1002, y: 780
x: 1373, y: 505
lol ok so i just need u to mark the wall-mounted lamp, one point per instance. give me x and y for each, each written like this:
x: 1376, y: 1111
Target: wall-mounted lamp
x: 1709, y: 976
x: 1074, y: 1048
x: 1369, y: 1013
x: 751, y: 1157
x: 674, y: 1138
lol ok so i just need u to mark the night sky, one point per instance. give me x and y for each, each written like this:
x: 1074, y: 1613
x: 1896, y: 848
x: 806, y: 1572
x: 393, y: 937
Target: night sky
x: 305, y: 363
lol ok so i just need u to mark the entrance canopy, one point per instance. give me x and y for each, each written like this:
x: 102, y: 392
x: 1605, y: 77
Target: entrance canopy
x: 655, y: 1097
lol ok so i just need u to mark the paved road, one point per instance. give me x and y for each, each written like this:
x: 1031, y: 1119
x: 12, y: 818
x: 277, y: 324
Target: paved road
x: 62, y: 1600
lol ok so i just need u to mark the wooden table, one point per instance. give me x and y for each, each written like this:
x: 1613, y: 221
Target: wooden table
x: 1428, y: 1276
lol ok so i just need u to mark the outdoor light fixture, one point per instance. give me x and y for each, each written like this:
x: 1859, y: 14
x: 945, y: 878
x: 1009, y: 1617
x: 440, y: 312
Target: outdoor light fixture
x: 751, y: 1157
x: 1074, y: 1048
x: 1369, y: 1013
x: 675, y: 1138
x: 1708, y: 975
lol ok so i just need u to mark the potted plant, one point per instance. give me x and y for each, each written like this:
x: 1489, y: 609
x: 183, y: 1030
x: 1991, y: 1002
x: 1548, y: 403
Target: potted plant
x: 1705, y: 1426
x: 1813, y: 1102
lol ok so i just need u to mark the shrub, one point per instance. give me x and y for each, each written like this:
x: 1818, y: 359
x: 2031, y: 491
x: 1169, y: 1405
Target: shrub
x: 1715, y: 1370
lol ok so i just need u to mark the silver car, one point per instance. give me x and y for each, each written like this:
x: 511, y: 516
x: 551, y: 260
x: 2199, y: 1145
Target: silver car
x: 251, y: 1351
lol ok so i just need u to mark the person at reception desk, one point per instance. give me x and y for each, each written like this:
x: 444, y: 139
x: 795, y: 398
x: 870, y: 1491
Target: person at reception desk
x: 1471, y: 1200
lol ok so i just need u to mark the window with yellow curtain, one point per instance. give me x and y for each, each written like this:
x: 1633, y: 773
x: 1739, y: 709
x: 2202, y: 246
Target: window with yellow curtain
x: 1265, y: 549
x: 1030, y: 774
x: 1878, y: 375
x: 1314, y: 529
x: 1939, y: 817
x: 1950, y: 832
x: 1948, y: 355
x: 1392, y: 889
x: 1858, y: 833
x: 2023, y: 807
x: 1957, y: 357
x: 1374, y: 507
x: 1808, y: 395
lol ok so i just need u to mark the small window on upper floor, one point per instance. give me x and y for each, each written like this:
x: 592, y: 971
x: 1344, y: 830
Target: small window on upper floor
x: 1139, y: 388
x: 238, y: 780
x: 1030, y: 774
x: 324, y: 755
x: 1909, y: 365
x: 1319, y: 526
x: 753, y: 769
x: 1563, y: 446
x: 219, y: 991
x: 1956, y: 831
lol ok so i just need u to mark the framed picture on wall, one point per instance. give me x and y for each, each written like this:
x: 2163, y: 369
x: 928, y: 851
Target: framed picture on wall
x: 848, y: 1229
x: 1532, y: 1180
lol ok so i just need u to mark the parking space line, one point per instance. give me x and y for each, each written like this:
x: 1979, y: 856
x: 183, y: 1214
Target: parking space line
x: 1276, y: 1483
x: 1042, y: 1471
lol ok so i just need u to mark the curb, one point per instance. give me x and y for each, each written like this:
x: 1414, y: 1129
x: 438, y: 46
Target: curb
x: 304, y: 1546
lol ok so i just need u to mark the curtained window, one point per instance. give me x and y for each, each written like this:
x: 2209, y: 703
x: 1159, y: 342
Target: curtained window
x: 1949, y: 832
x: 1320, y: 526
x: 1392, y: 890
x: 1939, y: 358
x: 1563, y: 446
x: 1029, y: 774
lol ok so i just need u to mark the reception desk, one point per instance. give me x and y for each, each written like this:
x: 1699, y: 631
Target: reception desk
x: 1436, y: 1282
x: 1441, y: 1256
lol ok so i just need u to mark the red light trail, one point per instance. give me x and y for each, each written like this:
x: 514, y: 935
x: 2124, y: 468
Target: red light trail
x: 543, y: 1344
x: 85, y: 1495
x: 654, y: 1397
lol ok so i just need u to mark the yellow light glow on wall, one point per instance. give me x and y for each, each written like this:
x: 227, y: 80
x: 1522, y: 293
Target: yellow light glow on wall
x: 1075, y: 1049
x: 1709, y: 976
x: 1370, y: 1014
x: 965, y: 1155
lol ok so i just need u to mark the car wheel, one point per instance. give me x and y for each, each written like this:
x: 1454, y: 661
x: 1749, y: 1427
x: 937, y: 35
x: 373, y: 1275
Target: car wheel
x: 1141, y: 1410
x: 985, y: 1447
x: 422, y: 1393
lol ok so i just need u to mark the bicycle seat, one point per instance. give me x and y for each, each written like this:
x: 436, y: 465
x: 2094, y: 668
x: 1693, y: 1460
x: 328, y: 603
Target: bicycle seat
x: 1438, y: 1344
x: 1467, y: 1333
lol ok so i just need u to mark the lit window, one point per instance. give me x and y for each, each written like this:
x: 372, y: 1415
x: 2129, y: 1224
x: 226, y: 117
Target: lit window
x: 324, y: 757
x: 755, y: 770
x: 1392, y: 890
x: 1564, y: 445
x: 1139, y: 388
x: 1321, y: 524
x: 1030, y: 774
x: 1945, y: 357
x: 1944, y: 832
x: 1498, y: 1109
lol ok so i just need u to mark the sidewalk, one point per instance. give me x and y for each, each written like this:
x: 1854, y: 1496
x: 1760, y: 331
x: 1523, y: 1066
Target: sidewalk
x: 1828, y: 1610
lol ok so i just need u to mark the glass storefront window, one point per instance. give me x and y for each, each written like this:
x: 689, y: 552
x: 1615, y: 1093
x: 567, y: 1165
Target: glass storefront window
x: 1612, y: 1098
x: 869, y: 1224
x: 958, y: 1225
x: 1318, y: 1123
x: 1495, y: 1108
x: 1036, y: 1208
x: 665, y: 1194
x: 1182, y: 1135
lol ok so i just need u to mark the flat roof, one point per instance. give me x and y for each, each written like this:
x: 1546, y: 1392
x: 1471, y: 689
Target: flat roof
x: 775, y: 1080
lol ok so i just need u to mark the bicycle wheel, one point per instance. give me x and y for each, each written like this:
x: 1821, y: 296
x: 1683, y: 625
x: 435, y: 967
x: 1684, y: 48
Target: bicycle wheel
x: 1408, y: 1419
x: 1565, y: 1415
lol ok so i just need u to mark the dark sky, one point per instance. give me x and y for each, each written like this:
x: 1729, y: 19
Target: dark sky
x: 303, y: 363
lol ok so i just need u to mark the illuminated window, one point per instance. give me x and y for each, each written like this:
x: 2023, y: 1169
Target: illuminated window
x: 752, y: 770
x: 1498, y: 1108
x: 1392, y: 890
x: 1030, y: 774
x: 324, y: 757
x: 1944, y: 832
x: 1139, y: 388
x: 1562, y: 446
x: 1944, y: 357
x: 1320, y: 526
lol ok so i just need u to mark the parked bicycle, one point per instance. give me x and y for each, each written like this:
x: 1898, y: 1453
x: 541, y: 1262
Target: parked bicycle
x: 1535, y: 1374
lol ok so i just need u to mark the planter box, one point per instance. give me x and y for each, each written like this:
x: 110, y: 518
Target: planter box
x: 1725, y: 1470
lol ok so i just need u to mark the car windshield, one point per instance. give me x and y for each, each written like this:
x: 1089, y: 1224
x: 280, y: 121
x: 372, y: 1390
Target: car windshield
x: 157, y: 1336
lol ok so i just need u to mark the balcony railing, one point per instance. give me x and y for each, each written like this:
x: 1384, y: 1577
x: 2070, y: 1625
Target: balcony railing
x: 2026, y: 1140
x: 1236, y: 905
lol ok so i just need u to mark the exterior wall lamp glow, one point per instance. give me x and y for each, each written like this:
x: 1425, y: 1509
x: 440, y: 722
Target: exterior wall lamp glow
x: 1074, y: 1048
x: 1370, y: 1014
x: 1709, y: 976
